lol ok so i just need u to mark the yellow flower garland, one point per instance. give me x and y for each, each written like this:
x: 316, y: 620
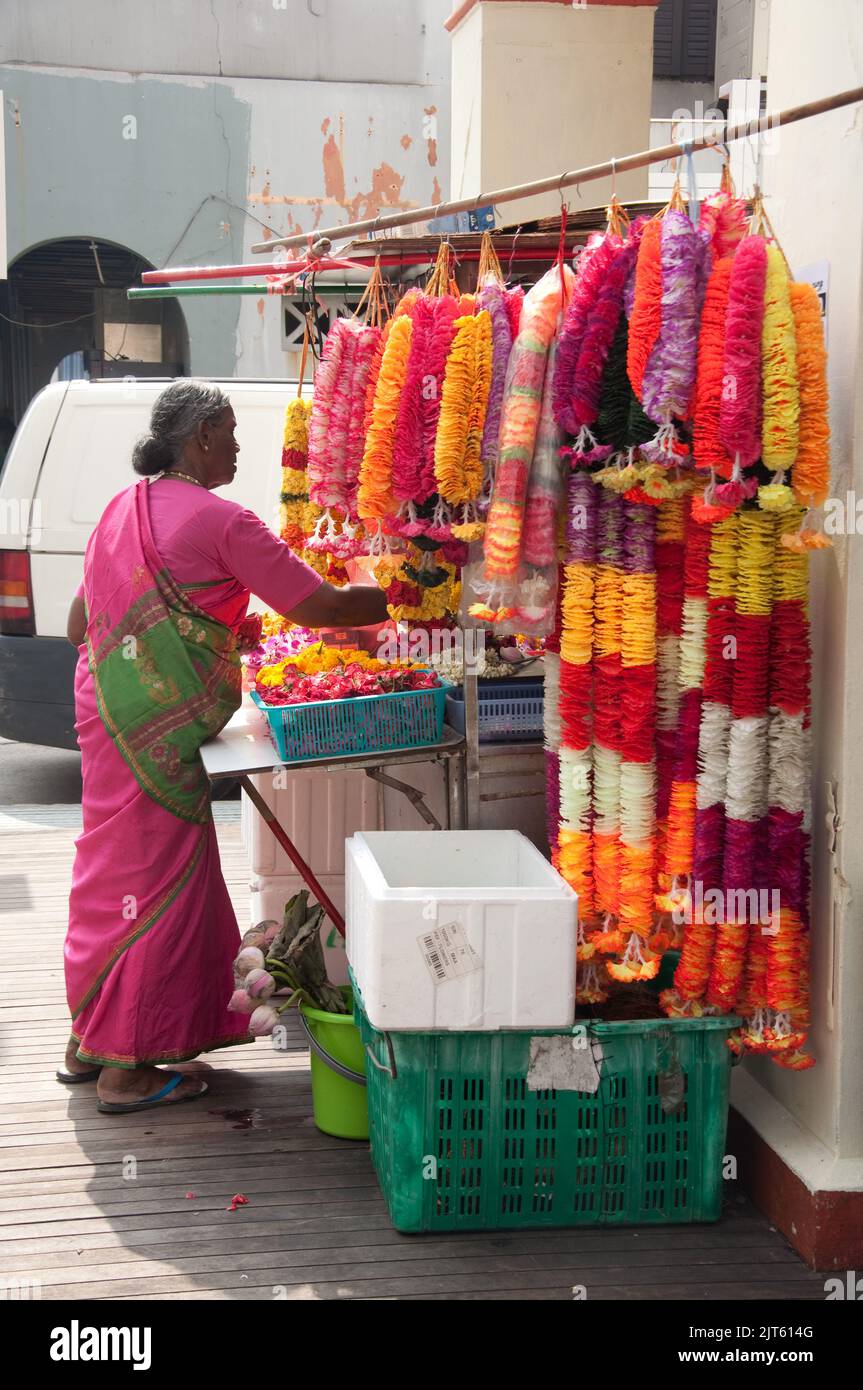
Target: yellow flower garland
x: 780, y: 427
x: 375, y: 499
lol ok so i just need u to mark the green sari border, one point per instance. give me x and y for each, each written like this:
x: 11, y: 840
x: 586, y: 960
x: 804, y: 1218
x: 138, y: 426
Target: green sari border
x: 144, y: 782
x: 149, y: 922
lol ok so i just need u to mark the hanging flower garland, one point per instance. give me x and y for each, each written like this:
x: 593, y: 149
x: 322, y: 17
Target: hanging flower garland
x: 519, y: 423
x: 375, y: 500
x: 780, y: 430
x: 294, y: 497
x: 810, y: 475
x: 669, y: 552
x: 680, y: 841
x: 467, y: 380
x: 669, y: 376
x: 645, y: 316
x: 574, y: 711
x: 784, y: 1028
x: 608, y: 732
x: 492, y: 298
x: 638, y: 747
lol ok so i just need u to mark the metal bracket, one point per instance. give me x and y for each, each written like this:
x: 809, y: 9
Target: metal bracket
x: 414, y: 796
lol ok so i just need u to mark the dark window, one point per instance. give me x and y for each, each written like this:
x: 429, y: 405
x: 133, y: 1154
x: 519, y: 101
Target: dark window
x: 684, y: 39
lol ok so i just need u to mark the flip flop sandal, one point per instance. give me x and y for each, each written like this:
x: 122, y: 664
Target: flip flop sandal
x: 110, y: 1107
x: 77, y: 1078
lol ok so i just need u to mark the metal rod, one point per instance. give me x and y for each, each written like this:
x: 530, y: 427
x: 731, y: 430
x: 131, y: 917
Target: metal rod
x: 718, y: 135
x: 189, y: 291
x: 224, y: 272
x: 364, y: 259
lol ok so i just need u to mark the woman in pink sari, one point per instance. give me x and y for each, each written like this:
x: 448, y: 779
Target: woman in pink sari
x: 167, y: 579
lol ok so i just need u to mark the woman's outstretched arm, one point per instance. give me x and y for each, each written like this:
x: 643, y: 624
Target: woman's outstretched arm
x: 356, y: 605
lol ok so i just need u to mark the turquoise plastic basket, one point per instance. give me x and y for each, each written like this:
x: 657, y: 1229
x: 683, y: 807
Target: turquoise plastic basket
x: 460, y: 1142
x: 368, y: 724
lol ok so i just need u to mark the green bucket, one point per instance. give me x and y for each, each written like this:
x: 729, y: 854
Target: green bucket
x: 338, y: 1072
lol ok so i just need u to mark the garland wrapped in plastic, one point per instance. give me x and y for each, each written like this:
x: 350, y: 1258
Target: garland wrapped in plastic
x: 507, y: 594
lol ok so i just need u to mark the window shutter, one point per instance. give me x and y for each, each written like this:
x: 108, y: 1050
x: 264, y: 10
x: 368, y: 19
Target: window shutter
x: 684, y: 39
x: 699, y: 39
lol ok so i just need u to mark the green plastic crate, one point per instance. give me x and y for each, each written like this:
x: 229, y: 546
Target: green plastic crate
x: 460, y: 1143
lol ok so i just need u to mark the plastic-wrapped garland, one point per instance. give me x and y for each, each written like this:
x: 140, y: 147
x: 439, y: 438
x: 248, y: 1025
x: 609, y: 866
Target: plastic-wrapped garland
x: 519, y: 421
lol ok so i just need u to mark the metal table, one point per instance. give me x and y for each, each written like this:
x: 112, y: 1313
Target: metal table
x: 244, y: 748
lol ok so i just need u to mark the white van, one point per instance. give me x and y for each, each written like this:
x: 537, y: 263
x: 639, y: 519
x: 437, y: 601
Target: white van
x: 71, y: 454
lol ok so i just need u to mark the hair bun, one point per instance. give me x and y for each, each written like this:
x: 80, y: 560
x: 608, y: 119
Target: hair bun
x: 151, y: 456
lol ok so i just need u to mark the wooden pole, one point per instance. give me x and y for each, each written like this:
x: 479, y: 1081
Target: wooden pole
x: 718, y: 135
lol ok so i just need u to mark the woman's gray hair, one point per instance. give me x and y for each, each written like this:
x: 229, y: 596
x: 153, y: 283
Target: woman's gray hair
x: 176, y: 415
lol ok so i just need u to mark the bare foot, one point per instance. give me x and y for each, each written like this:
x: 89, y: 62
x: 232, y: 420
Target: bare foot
x: 127, y: 1085
x: 73, y: 1063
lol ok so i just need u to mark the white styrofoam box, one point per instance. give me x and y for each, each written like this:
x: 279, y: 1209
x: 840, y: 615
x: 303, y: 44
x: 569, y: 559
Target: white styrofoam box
x: 466, y: 930
x: 268, y: 898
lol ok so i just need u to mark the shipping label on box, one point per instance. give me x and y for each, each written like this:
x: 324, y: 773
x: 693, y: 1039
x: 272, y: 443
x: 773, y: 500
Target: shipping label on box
x: 447, y: 953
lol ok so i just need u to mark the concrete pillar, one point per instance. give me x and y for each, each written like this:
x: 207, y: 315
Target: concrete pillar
x: 540, y: 86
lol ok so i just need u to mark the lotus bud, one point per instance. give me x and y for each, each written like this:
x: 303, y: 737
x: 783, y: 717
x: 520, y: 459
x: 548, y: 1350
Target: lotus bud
x: 250, y: 958
x: 263, y: 1021
x: 271, y: 930
x: 241, y: 1003
x: 253, y: 937
x: 260, y: 985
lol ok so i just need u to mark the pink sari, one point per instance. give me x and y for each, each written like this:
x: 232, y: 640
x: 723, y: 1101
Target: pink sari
x: 152, y: 932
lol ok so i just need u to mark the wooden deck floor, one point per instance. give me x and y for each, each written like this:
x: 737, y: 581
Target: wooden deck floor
x: 315, y: 1225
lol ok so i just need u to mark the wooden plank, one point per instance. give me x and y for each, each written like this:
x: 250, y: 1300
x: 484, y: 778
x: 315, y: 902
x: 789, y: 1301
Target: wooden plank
x: 316, y: 1222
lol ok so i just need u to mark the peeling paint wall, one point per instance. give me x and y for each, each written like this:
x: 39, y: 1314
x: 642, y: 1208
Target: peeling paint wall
x: 323, y: 112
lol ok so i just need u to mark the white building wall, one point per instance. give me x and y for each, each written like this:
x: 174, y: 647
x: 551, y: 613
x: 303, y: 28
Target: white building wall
x: 813, y: 175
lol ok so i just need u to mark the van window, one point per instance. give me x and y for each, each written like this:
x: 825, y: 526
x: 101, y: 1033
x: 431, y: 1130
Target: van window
x: 90, y: 457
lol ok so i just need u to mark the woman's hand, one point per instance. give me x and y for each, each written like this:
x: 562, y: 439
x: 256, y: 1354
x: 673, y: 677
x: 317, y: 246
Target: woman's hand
x: 76, y: 623
x: 357, y: 605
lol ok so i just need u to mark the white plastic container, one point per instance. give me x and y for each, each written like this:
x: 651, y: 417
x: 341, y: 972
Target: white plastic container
x: 459, y: 930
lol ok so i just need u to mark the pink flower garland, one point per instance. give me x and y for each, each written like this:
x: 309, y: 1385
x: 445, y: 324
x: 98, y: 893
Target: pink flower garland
x: 408, y: 442
x: 593, y: 266
x: 740, y: 408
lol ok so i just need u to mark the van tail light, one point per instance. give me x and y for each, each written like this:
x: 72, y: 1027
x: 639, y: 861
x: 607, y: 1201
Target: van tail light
x: 16, y: 594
